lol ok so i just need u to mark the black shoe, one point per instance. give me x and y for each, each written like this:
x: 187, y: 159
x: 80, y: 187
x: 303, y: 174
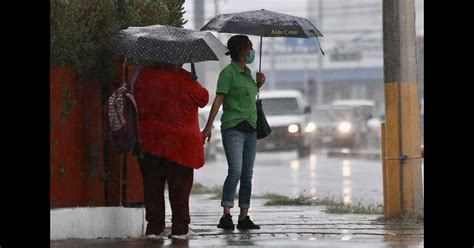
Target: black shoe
x: 226, y: 223
x: 246, y: 223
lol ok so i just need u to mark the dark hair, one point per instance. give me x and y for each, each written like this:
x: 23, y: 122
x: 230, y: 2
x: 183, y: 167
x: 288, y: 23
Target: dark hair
x: 236, y: 44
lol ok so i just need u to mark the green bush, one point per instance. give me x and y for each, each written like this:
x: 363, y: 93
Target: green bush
x: 281, y: 200
x: 358, y: 208
x: 198, y: 188
x: 81, y: 28
x: 407, y: 217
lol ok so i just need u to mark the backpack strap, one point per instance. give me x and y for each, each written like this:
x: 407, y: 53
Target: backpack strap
x: 131, y: 84
x: 130, y: 95
x: 134, y: 77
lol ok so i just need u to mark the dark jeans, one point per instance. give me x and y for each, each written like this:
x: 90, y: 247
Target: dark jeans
x: 156, y: 172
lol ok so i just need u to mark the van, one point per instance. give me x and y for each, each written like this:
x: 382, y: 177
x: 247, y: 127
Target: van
x: 287, y: 115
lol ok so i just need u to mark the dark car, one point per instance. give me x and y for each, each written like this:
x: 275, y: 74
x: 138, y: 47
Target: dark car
x: 339, y: 126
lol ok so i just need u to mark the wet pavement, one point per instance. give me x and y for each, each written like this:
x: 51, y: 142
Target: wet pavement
x: 318, y: 176
x: 287, y: 226
x: 357, y: 242
x: 283, y: 226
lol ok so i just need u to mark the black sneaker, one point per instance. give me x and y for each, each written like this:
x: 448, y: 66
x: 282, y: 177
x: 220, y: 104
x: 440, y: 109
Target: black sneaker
x: 246, y: 223
x: 226, y: 223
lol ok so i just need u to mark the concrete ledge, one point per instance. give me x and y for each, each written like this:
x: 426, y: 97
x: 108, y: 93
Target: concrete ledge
x: 97, y: 222
x: 357, y: 154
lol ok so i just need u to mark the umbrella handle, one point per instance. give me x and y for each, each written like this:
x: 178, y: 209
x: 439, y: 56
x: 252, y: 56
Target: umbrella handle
x: 260, y: 62
x: 193, y: 72
x: 260, y: 67
x: 122, y: 63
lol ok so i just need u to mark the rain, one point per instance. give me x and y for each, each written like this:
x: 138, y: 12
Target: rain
x: 338, y: 130
x: 335, y: 101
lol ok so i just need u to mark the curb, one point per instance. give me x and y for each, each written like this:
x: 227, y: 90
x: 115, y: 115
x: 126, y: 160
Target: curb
x: 355, y: 154
x: 97, y: 222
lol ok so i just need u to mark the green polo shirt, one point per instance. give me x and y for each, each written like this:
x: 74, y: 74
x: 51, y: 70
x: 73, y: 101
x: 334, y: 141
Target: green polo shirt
x: 240, y: 96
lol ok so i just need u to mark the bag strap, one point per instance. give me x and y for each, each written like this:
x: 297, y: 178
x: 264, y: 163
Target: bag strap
x: 131, y: 83
x: 134, y: 77
x: 131, y: 97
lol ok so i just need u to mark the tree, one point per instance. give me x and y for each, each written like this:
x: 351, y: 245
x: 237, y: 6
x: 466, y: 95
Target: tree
x: 81, y: 28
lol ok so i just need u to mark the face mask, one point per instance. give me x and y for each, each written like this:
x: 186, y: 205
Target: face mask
x: 251, y: 57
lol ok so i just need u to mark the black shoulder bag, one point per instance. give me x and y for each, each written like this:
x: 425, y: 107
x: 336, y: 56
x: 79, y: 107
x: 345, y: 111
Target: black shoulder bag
x: 263, y: 129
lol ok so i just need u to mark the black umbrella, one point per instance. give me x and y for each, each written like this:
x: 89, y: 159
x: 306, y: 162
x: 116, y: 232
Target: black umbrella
x: 167, y: 44
x: 263, y: 23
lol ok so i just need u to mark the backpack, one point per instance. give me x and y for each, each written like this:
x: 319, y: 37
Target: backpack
x: 121, y: 118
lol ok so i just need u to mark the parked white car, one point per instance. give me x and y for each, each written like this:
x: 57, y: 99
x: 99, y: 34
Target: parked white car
x: 216, y: 140
x: 288, y: 117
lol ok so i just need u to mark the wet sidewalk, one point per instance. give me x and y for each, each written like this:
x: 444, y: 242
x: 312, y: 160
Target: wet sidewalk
x: 283, y: 226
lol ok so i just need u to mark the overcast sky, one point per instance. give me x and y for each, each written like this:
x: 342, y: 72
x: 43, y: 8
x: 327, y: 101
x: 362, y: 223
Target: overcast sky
x: 342, y: 21
x: 347, y: 15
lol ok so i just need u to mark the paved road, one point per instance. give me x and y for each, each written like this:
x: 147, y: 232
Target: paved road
x: 317, y: 175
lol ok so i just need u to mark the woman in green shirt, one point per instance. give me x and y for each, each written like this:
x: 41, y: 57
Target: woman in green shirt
x: 237, y: 91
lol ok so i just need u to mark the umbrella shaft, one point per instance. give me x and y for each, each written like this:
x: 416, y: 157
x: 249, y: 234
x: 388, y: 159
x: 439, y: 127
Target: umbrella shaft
x: 260, y: 65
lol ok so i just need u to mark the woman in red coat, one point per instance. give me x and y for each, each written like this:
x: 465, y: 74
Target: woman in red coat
x: 167, y: 101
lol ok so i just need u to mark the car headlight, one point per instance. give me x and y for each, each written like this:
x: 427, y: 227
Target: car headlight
x: 345, y: 126
x: 311, y: 127
x: 293, y: 128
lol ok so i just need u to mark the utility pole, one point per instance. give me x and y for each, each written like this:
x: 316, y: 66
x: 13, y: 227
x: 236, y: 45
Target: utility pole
x: 319, y: 80
x: 403, y: 174
x: 198, y: 23
x: 215, y: 67
x: 306, y: 89
x: 310, y: 84
x: 319, y: 75
x: 272, y: 64
x: 217, y: 12
x: 198, y: 14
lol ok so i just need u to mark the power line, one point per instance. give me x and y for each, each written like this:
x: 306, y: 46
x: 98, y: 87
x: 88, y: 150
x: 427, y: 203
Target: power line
x: 362, y: 16
x: 342, y: 15
x: 328, y: 3
x: 343, y: 7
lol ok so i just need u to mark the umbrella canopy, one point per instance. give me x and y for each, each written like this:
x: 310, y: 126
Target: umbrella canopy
x: 167, y: 44
x: 263, y: 23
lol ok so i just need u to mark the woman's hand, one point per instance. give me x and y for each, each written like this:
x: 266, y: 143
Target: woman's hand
x: 206, y: 134
x: 260, y: 79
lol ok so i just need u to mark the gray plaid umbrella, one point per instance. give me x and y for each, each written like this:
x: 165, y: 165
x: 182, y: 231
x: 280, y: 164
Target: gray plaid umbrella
x: 263, y: 23
x: 167, y: 44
